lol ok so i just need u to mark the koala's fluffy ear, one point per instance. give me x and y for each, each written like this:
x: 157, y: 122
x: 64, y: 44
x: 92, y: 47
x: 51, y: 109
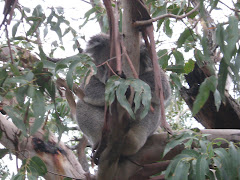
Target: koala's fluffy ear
x: 99, y: 49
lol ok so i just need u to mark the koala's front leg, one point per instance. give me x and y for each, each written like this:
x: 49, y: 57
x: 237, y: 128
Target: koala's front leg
x: 90, y: 110
x: 95, y: 92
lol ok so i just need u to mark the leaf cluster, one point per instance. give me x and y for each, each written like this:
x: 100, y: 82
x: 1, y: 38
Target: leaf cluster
x: 31, y: 168
x: 203, y: 159
x: 117, y: 87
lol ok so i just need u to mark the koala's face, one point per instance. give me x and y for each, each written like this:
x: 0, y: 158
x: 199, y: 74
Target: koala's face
x: 99, y: 49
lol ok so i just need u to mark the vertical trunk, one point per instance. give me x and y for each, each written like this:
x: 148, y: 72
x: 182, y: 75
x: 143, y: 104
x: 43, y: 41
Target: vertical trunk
x: 131, y: 37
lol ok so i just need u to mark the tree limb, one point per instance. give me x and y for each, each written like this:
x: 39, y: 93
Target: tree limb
x: 149, y: 21
x: 62, y: 163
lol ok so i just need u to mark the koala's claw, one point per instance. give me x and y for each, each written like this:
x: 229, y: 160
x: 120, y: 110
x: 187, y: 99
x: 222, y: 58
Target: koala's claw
x: 167, y: 128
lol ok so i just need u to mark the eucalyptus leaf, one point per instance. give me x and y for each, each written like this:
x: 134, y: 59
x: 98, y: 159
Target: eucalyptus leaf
x: 199, y: 57
x: 172, y: 167
x: 176, y: 80
x: 37, y: 166
x: 176, y: 142
x: 225, y: 163
x: 38, y: 11
x: 69, y: 76
x: 19, y: 176
x: 39, y: 111
x: 232, y: 36
x: 20, y: 94
x: 160, y: 11
x: 163, y: 58
x: 3, y: 76
x: 15, y: 28
x: 167, y: 29
x: 234, y: 153
x: 142, y: 94
x: 178, y: 57
x: 110, y: 88
x: 217, y: 99
x: 120, y: 94
x: 183, y: 37
x: 214, y: 4
x: 181, y: 171
x: 202, y: 167
x: 209, y: 84
x: 189, y: 66
x: 45, y: 31
x: 16, y: 119
x: 222, y: 78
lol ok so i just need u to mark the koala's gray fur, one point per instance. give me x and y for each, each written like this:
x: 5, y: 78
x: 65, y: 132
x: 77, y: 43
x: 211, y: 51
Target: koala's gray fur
x: 90, y: 111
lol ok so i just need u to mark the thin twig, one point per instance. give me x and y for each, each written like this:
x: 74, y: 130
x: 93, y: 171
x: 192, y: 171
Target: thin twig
x: 86, y: 1
x: 235, y: 10
x: 105, y: 62
x: 147, y: 22
x: 9, y: 44
x: 111, y: 69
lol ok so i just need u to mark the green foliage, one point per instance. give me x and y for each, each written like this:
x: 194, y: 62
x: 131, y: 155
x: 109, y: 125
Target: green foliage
x: 32, y: 167
x: 201, y: 162
x: 163, y: 58
x: 184, y: 37
x: 117, y: 87
x: 209, y: 85
x: 226, y: 37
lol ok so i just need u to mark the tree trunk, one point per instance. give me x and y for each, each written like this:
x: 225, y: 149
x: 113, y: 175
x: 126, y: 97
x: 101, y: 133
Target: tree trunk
x: 228, y: 116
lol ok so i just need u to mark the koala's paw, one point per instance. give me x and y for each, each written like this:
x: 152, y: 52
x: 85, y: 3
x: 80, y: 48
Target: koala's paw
x: 167, y: 127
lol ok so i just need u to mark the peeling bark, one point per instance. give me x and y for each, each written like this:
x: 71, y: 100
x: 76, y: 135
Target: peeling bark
x: 60, y: 163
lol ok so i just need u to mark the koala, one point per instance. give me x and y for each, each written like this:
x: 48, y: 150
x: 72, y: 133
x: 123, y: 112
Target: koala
x: 90, y: 110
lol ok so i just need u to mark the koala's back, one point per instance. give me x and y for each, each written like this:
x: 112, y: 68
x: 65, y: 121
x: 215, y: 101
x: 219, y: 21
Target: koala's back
x: 90, y: 119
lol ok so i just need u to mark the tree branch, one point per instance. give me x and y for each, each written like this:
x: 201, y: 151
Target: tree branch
x: 155, y: 145
x: 61, y: 163
x: 149, y: 21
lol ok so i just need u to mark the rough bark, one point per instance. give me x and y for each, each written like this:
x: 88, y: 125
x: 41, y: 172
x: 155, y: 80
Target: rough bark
x: 228, y: 116
x: 131, y: 37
